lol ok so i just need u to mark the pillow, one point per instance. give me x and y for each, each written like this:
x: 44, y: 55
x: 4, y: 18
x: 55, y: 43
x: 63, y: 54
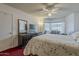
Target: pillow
x: 75, y: 35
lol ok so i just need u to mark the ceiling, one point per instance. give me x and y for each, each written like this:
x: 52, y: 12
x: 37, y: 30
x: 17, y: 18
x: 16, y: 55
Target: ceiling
x: 31, y: 8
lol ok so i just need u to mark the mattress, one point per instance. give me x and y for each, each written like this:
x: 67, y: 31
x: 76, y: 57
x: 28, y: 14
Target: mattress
x: 52, y: 45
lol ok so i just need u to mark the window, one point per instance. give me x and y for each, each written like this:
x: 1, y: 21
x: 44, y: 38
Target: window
x: 59, y: 26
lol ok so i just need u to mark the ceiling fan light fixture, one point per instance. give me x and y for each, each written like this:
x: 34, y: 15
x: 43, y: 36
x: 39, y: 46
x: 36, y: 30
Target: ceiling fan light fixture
x: 50, y: 14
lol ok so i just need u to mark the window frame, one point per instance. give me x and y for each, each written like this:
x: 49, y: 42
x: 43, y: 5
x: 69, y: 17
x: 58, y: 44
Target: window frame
x: 56, y: 22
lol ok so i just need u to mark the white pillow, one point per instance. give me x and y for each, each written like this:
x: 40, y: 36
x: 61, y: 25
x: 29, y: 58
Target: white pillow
x: 75, y: 35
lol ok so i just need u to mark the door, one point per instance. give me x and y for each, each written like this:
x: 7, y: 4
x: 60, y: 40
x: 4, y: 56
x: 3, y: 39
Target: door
x: 5, y: 25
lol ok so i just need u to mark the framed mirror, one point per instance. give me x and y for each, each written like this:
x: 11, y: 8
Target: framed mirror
x: 22, y: 26
x: 22, y: 30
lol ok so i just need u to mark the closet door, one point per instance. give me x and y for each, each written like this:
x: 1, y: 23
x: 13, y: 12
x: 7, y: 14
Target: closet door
x: 5, y: 25
x: 5, y: 31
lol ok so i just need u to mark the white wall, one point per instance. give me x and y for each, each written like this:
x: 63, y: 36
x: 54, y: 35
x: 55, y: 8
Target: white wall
x: 69, y: 23
x: 76, y: 27
x: 33, y: 20
x: 72, y: 23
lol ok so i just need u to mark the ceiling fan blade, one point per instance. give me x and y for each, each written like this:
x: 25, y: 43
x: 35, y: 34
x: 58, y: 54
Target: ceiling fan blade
x: 47, y: 8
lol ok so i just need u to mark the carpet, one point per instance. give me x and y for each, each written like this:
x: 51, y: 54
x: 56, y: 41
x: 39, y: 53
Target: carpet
x: 17, y: 51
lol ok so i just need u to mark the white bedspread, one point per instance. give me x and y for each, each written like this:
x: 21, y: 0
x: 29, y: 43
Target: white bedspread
x: 50, y: 44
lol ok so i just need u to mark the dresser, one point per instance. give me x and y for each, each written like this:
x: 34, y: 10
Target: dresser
x: 23, y: 39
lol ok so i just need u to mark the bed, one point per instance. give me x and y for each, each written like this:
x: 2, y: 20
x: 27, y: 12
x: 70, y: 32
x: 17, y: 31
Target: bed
x: 52, y: 45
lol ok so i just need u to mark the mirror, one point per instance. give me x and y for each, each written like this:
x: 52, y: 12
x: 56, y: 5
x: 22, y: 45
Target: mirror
x: 22, y: 26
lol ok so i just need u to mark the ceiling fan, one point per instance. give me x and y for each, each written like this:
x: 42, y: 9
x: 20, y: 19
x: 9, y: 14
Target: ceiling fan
x: 49, y: 8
